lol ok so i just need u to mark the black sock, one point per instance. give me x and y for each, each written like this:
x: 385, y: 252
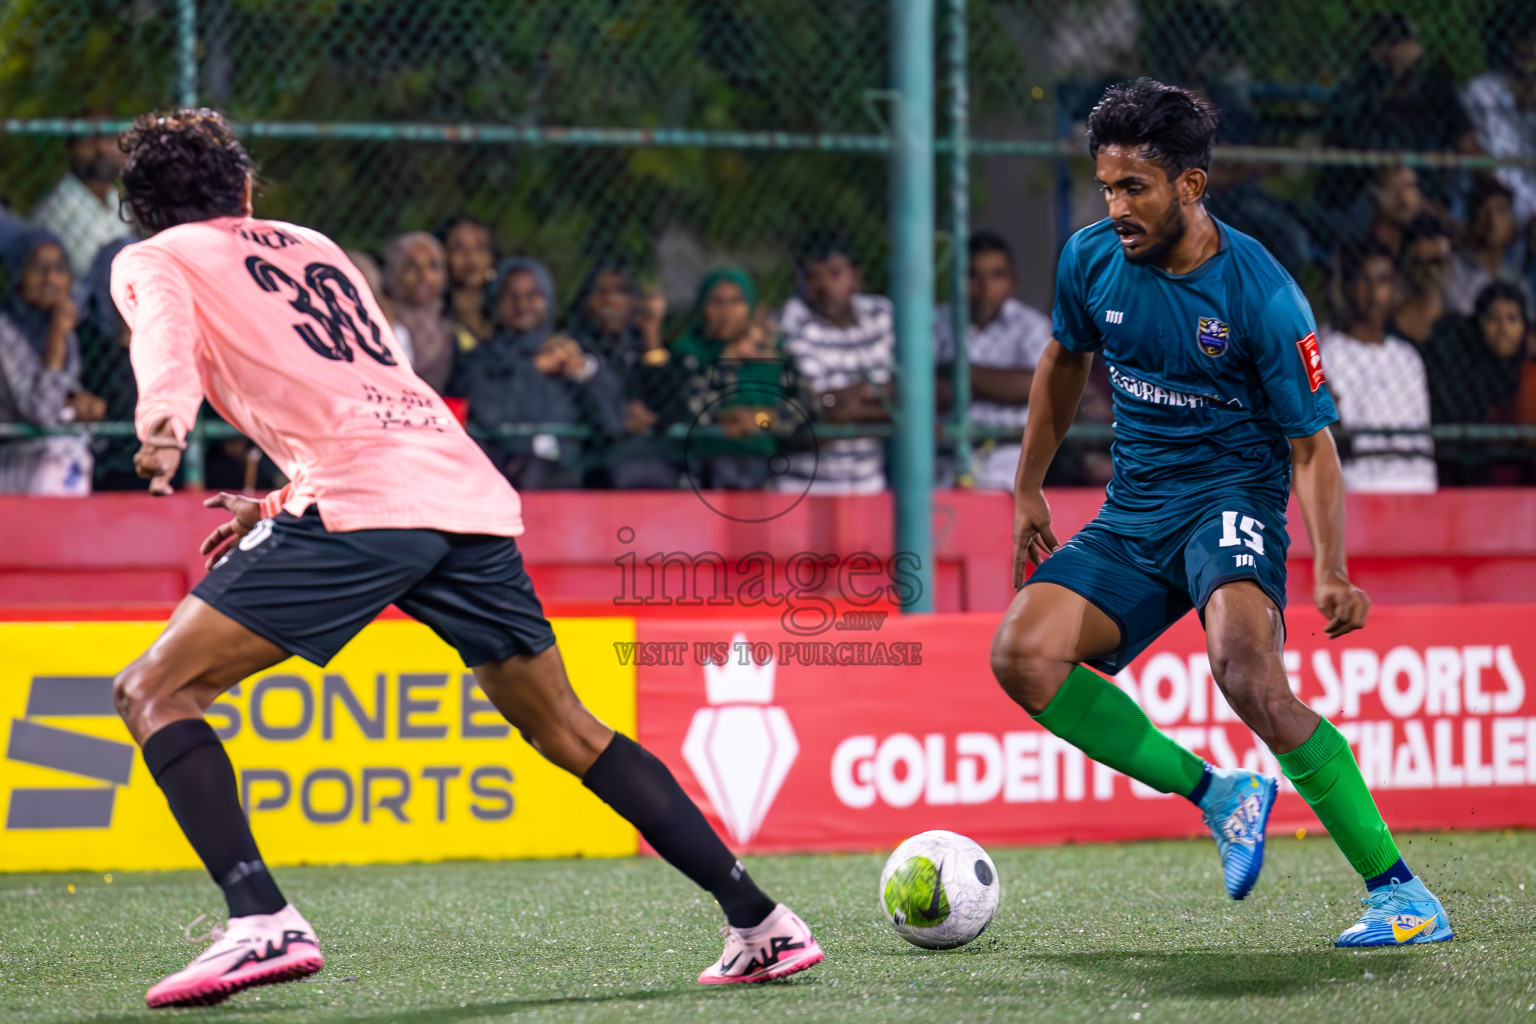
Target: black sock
x: 632, y: 781
x: 1398, y: 872
x: 1198, y: 793
x: 193, y: 770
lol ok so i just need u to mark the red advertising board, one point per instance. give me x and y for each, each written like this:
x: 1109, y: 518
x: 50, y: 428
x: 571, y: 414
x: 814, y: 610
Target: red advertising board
x: 858, y: 738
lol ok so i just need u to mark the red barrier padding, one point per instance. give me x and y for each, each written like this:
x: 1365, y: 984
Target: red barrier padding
x: 828, y: 756
x: 1458, y: 546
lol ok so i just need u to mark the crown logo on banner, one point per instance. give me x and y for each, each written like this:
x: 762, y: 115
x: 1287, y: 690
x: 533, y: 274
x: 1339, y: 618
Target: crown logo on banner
x: 735, y: 683
x: 740, y: 748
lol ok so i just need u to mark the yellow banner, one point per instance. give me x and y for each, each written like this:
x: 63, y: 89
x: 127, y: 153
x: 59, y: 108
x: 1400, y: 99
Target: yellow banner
x: 389, y: 754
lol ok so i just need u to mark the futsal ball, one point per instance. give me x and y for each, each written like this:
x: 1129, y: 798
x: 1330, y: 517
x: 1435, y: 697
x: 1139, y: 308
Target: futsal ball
x: 939, y: 890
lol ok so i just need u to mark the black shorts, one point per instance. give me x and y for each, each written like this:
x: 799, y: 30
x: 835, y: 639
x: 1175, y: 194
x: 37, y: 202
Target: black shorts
x: 310, y: 591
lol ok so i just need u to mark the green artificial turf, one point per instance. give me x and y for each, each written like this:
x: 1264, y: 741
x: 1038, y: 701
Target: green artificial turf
x: 1083, y: 933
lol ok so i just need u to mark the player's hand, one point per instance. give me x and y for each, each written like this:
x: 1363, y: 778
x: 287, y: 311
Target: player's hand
x: 246, y: 512
x: 1341, y: 602
x: 159, y: 457
x: 1033, y: 540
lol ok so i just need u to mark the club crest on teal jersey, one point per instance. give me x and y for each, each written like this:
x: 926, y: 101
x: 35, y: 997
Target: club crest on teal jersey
x: 1212, y: 336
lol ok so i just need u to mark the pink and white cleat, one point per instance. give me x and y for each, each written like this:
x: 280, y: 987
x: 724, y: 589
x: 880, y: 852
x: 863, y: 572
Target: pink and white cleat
x: 782, y: 945
x: 258, y: 950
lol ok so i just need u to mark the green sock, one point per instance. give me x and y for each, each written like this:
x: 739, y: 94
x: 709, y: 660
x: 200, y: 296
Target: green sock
x: 1326, y: 775
x: 1101, y: 720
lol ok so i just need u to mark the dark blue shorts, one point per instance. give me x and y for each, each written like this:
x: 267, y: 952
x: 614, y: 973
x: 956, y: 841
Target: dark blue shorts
x: 1147, y: 578
x: 310, y: 591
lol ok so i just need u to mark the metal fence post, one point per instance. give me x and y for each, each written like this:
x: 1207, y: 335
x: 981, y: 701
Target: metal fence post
x: 192, y: 460
x: 192, y: 465
x: 912, y: 149
x: 186, y: 53
x: 960, y: 232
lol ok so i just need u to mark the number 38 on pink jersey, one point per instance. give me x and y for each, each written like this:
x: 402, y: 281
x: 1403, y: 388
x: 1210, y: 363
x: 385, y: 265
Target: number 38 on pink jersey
x: 276, y: 327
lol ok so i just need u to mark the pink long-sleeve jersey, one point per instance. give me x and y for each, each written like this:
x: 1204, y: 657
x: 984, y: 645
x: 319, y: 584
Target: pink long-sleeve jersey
x: 279, y: 330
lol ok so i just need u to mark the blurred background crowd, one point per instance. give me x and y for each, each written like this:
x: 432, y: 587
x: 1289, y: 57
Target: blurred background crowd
x: 629, y: 352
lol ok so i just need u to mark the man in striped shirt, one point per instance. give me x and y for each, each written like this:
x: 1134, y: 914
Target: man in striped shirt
x: 843, y: 346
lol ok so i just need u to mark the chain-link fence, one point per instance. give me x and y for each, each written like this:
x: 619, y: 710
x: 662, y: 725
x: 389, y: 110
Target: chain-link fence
x: 631, y: 148
x: 1391, y: 142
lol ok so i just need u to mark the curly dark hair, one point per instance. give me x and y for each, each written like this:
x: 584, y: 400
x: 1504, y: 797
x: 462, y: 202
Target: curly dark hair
x: 1171, y: 126
x: 183, y: 166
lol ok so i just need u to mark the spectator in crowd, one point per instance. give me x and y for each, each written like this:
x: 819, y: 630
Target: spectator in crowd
x: 1394, y: 200
x: 416, y: 281
x: 1396, y: 100
x: 722, y: 382
x: 1502, y: 101
x: 527, y: 374
x: 607, y: 319
x: 1491, y: 250
x: 1003, y: 343
x: 1474, y: 369
x: 83, y: 210
x: 471, y: 249
x: 656, y: 392
x: 1378, y: 382
x: 1474, y: 377
x: 1425, y: 262
x: 106, y: 370
x: 842, y: 345
x: 40, y: 371
x: 1380, y: 210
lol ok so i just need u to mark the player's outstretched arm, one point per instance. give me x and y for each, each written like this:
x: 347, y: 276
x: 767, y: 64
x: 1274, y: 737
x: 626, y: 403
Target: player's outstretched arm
x: 1058, y: 386
x: 1319, y: 483
x: 155, y: 300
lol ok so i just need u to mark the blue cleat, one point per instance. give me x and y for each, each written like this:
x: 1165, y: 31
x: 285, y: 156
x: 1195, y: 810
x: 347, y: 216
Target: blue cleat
x: 1398, y: 914
x: 1236, y: 808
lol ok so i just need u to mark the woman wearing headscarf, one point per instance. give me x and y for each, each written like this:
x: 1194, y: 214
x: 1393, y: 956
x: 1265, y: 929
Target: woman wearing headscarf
x: 416, y: 281
x: 527, y: 374
x: 106, y: 370
x: 723, y: 375
x: 40, y: 371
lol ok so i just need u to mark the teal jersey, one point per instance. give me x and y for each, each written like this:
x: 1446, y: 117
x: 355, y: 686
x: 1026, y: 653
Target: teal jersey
x: 1210, y: 371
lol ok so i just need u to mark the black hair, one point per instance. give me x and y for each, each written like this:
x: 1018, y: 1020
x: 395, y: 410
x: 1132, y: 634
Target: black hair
x: 1486, y: 189
x: 183, y: 166
x: 822, y: 244
x: 1353, y: 258
x: 989, y: 241
x: 1167, y: 124
x: 1502, y: 291
x: 447, y: 226
x: 1425, y: 225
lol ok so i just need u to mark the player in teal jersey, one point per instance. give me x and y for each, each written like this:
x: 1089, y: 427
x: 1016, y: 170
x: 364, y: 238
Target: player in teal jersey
x: 1220, y: 405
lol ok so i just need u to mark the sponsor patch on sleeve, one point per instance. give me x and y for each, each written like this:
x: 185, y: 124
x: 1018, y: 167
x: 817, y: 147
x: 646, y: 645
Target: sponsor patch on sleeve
x: 1312, y: 359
